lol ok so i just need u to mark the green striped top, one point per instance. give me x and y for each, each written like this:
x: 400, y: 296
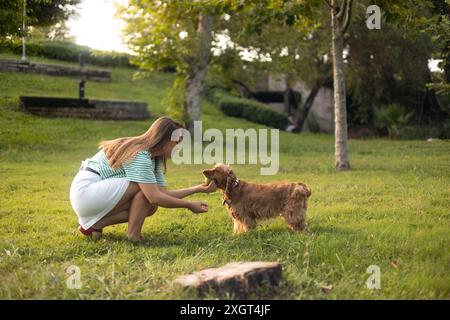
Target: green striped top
x: 141, y: 168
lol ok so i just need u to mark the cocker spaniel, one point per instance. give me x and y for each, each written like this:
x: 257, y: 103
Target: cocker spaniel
x: 248, y: 202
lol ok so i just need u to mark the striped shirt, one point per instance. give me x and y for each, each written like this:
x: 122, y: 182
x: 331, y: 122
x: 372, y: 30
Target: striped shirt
x: 141, y: 168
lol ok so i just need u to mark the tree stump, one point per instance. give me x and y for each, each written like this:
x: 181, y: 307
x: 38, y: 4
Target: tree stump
x: 237, y: 278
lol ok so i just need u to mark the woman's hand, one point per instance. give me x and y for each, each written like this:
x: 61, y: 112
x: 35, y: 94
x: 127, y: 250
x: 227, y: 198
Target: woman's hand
x: 198, y: 206
x: 211, y: 187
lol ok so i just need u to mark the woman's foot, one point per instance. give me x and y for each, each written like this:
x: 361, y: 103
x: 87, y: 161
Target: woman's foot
x: 91, y: 232
x: 136, y: 239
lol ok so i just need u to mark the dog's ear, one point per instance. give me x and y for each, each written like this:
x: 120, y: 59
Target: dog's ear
x: 305, y: 189
x: 228, y: 184
x: 230, y: 180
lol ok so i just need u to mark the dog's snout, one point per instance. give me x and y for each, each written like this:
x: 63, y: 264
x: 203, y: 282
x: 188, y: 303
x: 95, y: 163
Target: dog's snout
x: 207, y: 173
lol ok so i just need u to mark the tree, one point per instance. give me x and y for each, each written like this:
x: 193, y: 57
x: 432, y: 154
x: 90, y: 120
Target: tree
x: 438, y: 26
x: 167, y: 34
x: 340, y: 19
x: 432, y: 18
x: 384, y: 67
x: 282, y: 49
x: 39, y: 13
x: 197, y: 68
x: 58, y: 31
x: 301, y: 13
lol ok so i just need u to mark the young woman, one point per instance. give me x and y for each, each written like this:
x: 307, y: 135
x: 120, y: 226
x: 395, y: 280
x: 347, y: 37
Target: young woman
x: 124, y: 182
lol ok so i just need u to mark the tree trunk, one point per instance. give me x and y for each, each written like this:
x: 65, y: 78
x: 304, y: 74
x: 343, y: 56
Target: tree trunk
x: 287, y: 97
x: 306, y: 107
x: 197, y: 70
x: 244, y: 90
x: 340, y: 113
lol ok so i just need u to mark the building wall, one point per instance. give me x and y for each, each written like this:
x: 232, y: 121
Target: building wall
x: 322, y: 109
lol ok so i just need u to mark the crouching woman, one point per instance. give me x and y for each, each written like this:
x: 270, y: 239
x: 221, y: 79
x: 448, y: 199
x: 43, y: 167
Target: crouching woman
x: 124, y: 182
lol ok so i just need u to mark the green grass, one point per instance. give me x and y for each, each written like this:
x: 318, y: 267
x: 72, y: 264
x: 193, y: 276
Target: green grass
x: 391, y: 210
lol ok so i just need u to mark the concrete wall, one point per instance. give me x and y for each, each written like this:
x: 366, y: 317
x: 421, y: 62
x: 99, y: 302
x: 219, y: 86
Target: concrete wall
x: 322, y: 109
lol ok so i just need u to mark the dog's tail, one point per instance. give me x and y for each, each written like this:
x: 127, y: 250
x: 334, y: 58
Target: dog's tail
x: 304, y: 189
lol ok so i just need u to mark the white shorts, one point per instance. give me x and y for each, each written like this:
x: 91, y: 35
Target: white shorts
x: 92, y: 198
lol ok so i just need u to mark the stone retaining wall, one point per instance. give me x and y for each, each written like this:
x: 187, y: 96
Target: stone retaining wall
x: 85, y: 108
x: 7, y: 65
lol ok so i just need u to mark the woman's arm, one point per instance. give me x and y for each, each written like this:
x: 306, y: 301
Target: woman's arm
x: 154, y: 195
x: 181, y: 193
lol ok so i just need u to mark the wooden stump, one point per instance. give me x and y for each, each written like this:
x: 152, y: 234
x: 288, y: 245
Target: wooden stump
x: 238, y: 278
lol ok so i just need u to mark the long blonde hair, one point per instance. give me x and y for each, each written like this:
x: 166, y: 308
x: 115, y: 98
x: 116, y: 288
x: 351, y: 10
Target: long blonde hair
x: 119, y: 150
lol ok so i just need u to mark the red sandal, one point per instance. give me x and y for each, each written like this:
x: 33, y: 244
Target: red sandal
x: 97, y: 233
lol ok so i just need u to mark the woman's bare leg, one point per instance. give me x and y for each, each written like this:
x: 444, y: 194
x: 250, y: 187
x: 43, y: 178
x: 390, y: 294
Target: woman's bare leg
x: 109, y: 220
x: 118, y: 210
x: 140, y: 209
x: 132, y: 208
x: 120, y: 217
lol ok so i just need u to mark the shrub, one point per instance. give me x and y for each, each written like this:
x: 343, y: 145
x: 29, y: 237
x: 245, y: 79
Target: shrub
x: 248, y: 109
x: 422, y: 132
x: 313, y: 124
x: 390, y: 118
x: 109, y: 59
x: 66, y: 51
x: 15, y: 46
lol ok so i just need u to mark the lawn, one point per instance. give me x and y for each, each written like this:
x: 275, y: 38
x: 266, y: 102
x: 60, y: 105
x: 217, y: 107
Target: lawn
x: 390, y: 210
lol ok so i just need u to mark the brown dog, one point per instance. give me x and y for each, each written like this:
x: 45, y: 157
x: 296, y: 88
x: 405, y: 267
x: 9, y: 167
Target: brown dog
x: 249, y: 202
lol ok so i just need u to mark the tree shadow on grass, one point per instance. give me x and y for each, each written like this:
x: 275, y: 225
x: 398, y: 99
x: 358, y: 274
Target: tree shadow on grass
x: 339, y: 231
x: 167, y: 239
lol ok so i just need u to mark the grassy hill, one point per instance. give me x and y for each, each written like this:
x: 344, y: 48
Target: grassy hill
x: 391, y: 210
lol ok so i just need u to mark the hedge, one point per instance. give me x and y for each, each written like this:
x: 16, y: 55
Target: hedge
x: 67, y: 51
x: 248, y: 109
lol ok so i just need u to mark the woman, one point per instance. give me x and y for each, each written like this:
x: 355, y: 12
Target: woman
x: 124, y: 182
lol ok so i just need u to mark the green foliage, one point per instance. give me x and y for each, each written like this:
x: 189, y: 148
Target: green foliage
x: 122, y: 87
x: 38, y: 13
x: 390, y: 117
x: 385, y: 66
x: 174, y: 100
x: 15, y: 46
x: 390, y: 211
x: 313, y: 125
x: 423, y: 132
x: 66, y: 51
x: 251, y: 110
x: 109, y: 59
x: 153, y: 33
x: 424, y: 17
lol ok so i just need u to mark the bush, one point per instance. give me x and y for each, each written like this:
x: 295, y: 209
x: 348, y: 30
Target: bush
x: 15, y: 46
x: 390, y: 118
x: 248, y: 109
x: 422, y: 132
x: 109, y: 59
x: 66, y: 51
x: 313, y: 125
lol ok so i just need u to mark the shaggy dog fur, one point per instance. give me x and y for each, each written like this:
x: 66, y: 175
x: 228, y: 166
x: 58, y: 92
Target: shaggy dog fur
x: 248, y: 202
